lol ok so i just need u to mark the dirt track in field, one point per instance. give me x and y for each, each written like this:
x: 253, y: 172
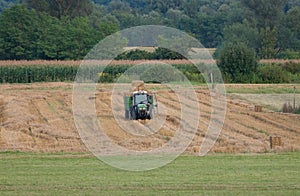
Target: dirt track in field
x: 39, y: 117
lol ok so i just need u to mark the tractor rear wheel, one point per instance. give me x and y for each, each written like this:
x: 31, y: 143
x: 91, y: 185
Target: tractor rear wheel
x: 126, y: 114
x: 150, y: 116
x: 132, y: 114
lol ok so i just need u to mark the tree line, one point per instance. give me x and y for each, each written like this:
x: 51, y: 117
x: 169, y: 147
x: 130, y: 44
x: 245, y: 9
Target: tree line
x: 62, y: 31
x: 68, y: 29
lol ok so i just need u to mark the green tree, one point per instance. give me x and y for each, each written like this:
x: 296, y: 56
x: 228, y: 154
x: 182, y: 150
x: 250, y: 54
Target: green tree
x: 114, y: 45
x: 80, y: 36
x: 273, y: 74
x: 163, y: 53
x: 18, y: 33
x: 174, y: 17
x: 163, y: 6
x: 153, y: 18
x: 61, y: 8
x: 50, y: 42
x: 180, y: 44
x: 242, y: 32
x: 290, y: 30
x: 237, y: 62
x: 5, y: 4
x: 207, y: 28
x: 105, y: 26
x: 117, y: 6
x: 268, y: 43
x: 264, y: 23
x: 267, y: 12
x: 31, y: 35
x: 192, y: 7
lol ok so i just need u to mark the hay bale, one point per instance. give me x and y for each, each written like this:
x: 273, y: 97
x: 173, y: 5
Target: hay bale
x: 275, y: 141
x: 258, y: 108
x: 137, y: 85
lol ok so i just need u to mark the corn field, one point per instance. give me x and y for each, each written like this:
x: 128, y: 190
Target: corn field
x: 48, y: 71
x: 30, y: 74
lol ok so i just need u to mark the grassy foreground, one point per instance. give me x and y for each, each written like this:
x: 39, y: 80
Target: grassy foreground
x: 81, y: 174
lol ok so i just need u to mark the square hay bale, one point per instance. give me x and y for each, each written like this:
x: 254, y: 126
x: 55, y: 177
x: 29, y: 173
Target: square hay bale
x: 275, y: 141
x: 258, y: 108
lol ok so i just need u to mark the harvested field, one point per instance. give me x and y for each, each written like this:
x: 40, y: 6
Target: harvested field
x: 271, y: 101
x: 38, y: 117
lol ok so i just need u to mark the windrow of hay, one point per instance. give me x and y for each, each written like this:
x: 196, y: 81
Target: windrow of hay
x: 2, y: 115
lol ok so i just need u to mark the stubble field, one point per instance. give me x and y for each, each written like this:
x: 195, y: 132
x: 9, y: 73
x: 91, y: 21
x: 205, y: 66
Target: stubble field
x: 39, y: 118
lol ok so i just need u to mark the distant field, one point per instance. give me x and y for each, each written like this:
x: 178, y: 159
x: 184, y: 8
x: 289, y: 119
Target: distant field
x: 82, y: 174
x: 271, y: 96
x: 262, y: 88
x: 271, y: 101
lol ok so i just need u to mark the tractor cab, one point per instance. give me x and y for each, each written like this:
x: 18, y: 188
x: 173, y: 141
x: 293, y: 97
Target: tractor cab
x: 139, y: 106
x: 139, y: 103
x: 140, y: 97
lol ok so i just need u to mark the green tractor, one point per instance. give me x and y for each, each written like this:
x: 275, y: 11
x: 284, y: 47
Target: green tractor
x: 139, y: 105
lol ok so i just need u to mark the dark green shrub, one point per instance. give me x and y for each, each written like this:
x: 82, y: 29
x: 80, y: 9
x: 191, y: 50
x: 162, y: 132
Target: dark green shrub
x: 163, y: 53
x: 134, y: 55
x: 273, y: 73
x: 237, y: 62
x: 292, y: 67
x: 158, y: 54
x: 289, y: 54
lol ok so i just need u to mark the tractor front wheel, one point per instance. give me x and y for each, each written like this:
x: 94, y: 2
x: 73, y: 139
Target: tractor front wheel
x: 132, y: 114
